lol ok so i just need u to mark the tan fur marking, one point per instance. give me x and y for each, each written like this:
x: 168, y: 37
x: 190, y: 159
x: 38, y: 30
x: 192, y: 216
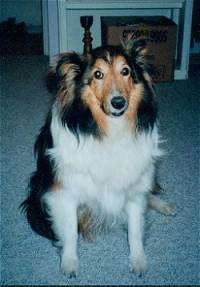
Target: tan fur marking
x: 66, y: 92
x: 56, y: 186
x: 135, y: 98
x: 84, y: 224
x: 65, y: 68
x: 65, y: 96
x: 94, y: 105
x: 101, y: 88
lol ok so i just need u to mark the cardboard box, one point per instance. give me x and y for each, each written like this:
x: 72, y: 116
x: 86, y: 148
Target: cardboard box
x: 160, y: 33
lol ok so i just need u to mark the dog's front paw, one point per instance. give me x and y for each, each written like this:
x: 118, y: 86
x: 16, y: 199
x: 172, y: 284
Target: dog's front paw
x: 138, y: 264
x: 69, y: 266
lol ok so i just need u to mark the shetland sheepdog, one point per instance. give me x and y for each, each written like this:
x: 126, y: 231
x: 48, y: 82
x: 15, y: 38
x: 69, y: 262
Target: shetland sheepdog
x: 97, y: 150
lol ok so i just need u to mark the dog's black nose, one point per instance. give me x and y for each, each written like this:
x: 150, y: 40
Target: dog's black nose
x: 118, y: 102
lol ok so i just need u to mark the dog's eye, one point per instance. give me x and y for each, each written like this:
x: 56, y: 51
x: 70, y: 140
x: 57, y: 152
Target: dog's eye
x: 125, y: 71
x: 98, y: 75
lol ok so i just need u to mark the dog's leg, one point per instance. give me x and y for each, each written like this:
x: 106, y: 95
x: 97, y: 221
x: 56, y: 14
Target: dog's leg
x: 63, y: 214
x: 135, y: 212
x: 160, y: 205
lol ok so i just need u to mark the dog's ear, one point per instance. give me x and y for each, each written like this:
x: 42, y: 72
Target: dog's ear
x: 135, y: 47
x: 67, y: 67
x: 137, y: 50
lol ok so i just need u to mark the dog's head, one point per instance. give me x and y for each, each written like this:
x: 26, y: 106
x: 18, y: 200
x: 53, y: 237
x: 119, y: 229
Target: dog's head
x: 113, y: 82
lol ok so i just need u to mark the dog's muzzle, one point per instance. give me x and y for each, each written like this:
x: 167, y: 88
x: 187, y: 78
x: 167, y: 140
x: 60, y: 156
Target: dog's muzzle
x: 118, y: 105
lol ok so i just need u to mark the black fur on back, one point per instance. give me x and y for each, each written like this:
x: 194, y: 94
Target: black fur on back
x: 40, y: 181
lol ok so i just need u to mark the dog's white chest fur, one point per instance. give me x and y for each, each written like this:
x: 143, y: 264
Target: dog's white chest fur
x: 105, y: 172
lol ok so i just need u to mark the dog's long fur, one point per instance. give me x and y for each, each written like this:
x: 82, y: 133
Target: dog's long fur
x: 96, y: 152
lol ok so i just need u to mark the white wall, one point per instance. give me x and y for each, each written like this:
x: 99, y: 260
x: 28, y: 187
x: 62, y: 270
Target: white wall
x: 28, y: 11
